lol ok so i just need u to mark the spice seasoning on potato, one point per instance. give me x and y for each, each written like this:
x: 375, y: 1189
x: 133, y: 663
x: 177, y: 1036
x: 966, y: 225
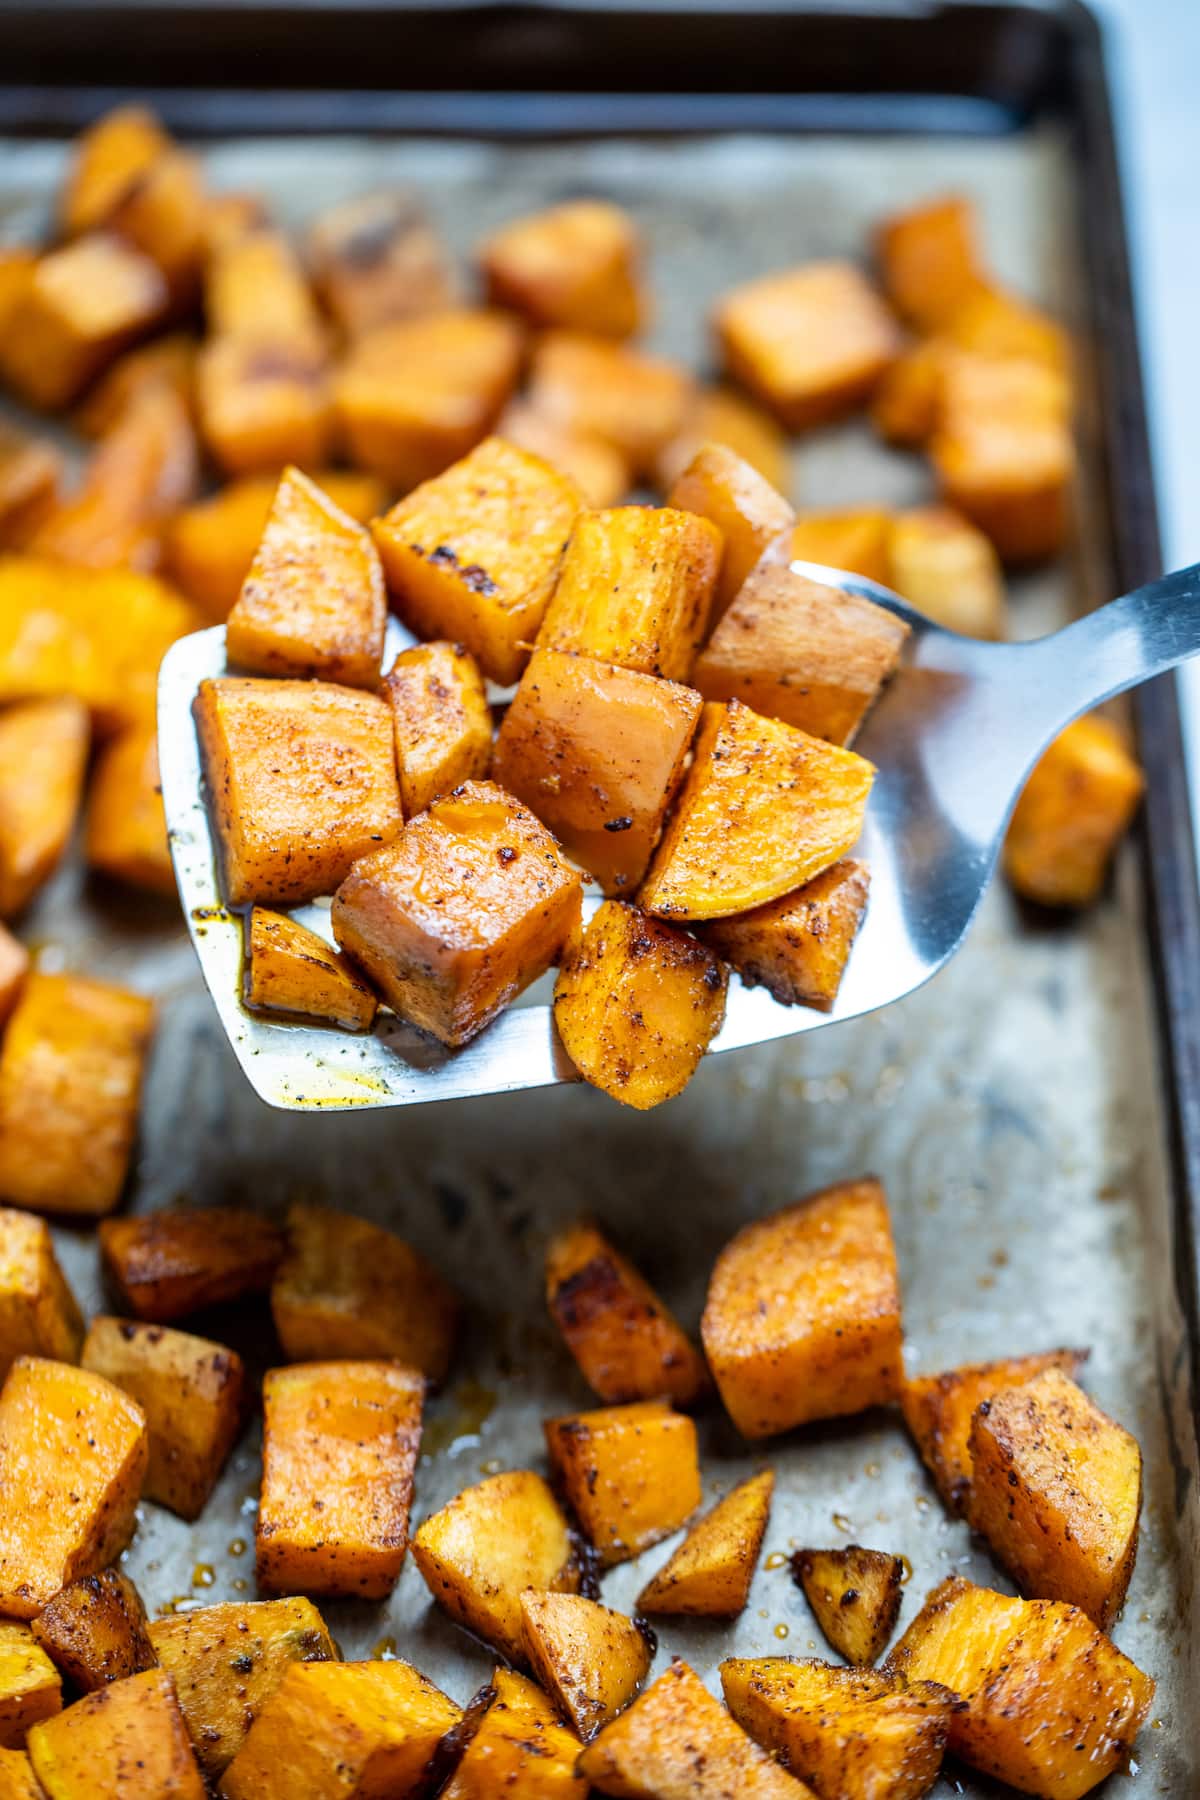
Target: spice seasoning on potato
x: 855, y: 1596
x: 95, y: 1631
x: 165, y: 1265
x: 709, y: 1575
x: 442, y: 721
x: 630, y: 1473
x: 291, y: 970
x: 127, y: 1739
x: 750, y: 514
x: 520, y: 1745
x: 590, y: 1659
x: 39, y: 1315
x: 575, y: 265
x: 797, y: 946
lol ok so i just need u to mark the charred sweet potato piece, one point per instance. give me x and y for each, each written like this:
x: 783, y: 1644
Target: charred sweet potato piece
x: 14, y: 967
x: 635, y: 402
x: 628, y: 1345
x: 796, y: 650
x: 70, y: 1085
x: 948, y: 570
x: 343, y: 1731
x: 302, y: 779
x: 764, y: 808
x: 598, y: 469
x: 490, y: 1545
x: 75, y: 1448
x: 929, y: 260
x: 576, y: 265
x: 798, y: 946
x: 168, y: 1264
x: 164, y: 362
x: 107, y: 160
x: 39, y: 1315
x: 227, y: 1660
x: 43, y: 758
x: 313, y: 603
x: 519, y: 1746
x: 720, y: 415
x: 164, y: 214
x: 126, y: 835
x: 637, y: 1004
x: 95, y: 1631
x: 853, y: 1734
x: 630, y: 1473
x: 851, y: 538
x: 441, y: 719
x: 347, y: 1287
x: 597, y: 751
x: 473, y: 555
x: 263, y: 404
x: 590, y: 1660
x: 127, y: 1739
x: 1051, y: 1706
x: 720, y: 486
x: 30, y: 1687
x: 709, y: 1575
x: 30, y: 472
x: 290, y: 969
x: 855, y: 1594
x: 82, y: 304
x: 904, y: 406
x: 376, y: 258
x: 470, y: 904
x: 1075, y: 808
x: 340, y: 1443
x: 803, y: 1313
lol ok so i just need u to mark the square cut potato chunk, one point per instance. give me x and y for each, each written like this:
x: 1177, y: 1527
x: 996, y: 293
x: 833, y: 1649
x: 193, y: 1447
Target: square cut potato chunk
x: 904, y: 405
x: 797, y: 947
x: 811, y: 342
x: 126, y: 837
x: 852, y: 538
x: 290, y: 969
x: 302, y: 782
x: 520, y: 1746
x: 70, y: 1085
x: 722, y: 416
x: 75, y: 1448
x: 598, y: 469
x: 313, y: 603
x: 263, y: 404
x: 473, y: 555
x: 1075, y: 808
x: 576, y: 265
x: 763, y: 809
x: 750, y: 514
x: 709, y: 1576
x: 635, y: 589
x: 470, y: 904
x: 630, y: 1473
x: 95, y: 1631
x: 948, y: 570
x: 30, y: 1685
x: 375, y: 258
x: 127, y: 1739
x: 82, y: 304
x: 165, y: 215
x: 929, y: 260
x: 167, y: 1264
x: 590, y: 1659
x: 39, y: 1315
x: 107, y: 160
x: 43, y: 761
x: 442, y: 722
x: 635, y: 402
x: 340, y: 1444
x: 802, y: 1319
x: 597, y: 751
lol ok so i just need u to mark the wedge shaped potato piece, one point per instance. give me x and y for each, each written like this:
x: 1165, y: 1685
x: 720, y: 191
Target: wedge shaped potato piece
x: 470, y: 904
x: 628, y: 1345
x: 128, y: 1739
x: 855, y: 1594
x: 480, y: 1553
x: 677, y: 1743
x: 929, y: 260
x: 1056, y: 1488
x: 590, y: 1660
x: 262, y: 405
x: 192, y: 1392
x: 168, y: 1264
x: 474, y: 554
x: 126, y: 835
x: 30, y: 1687
x: 904, y: 406
x: 39, y: 1315
x: 81, y: 305
x: 709, y: 1575
x: 340, y: 1444
x: 949, y: 571
x: 95, y: 1631
x: 1076, y: 807
x: 576, y: 265
x: 1052, y: 1707
x: 14, y: 967
x: 17, y: 1779
x: 227, y: 1660
x: 720, y: 415
x: 302, y: 780
x: 852, y: 1734
x: 850, y: 538
x: 764, y: 808
x: 750, y: 514
x: 811, y: 342
x: 343, y: 1731
x: 598, y: 469
x: 803, y: 1313
x: 630, y: 1473
x: 633, y: 401
x: 796, y: 650
x: 442, y: 722
x: 290, y: 969
x: 43, y: 760
x: 376, y: 258
x: 70, y: 1086
x: 107, y: 160
x: 30, y: 472
x: 635, y: 589
x: 520, y: 1746
x: 75, y: 1448
x: 798, y: 946
x: 598, y: 752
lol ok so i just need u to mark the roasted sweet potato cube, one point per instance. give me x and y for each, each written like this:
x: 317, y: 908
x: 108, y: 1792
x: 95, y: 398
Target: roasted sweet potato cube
x: 630, y: 1473
x: 227, y: 1660
x: 473, y: 555
x: 164, y: 214
x: 43, y: 758
x: 492, y: 1543
x: 854, y: 1734
x: 30, y: 472
x: 750, y: 514
x: 30, y: 1687
x: 263, y: 404
x: 302, y: 780
x: 851, y: 538
x: 677, y: 1743
x: 519, y: 1746
x: 627, y: 1343
x: 470, y: 904
x: 635, y: 589
x: 637, y: 1004
x: 904, y: 406
x: 164, y: 362
x: 576, y: 265
x: 442, y: 722
x: 343, y: 1731
x: 635, y: 402
x: 811, y: 342
x: 798, y: 946
x: 108, y: 159
x: 290, y: 969
x: 127, y: 1739
x: 256, y: 291
x: 350, y: 1288
x: 599, y: 471
x: 75, y: 1448
x: 948, y: 570
x: 929, y: 260
x: 997, y: 324
x: 413, y: 397
x: 796, y: 650
x: 1051, y: 1706
x: 597, y: 751
x: 126, y: 835
x: 709, y: 1575
x: 1075, y: 808
x: 82, y: 304
x: 590, y: 1660
x: 39, y: 1315
x: 720, y: 415
x: 803, y: 1313
x: 376, y: 258
x: 168, y: 1264
x: 17, y: 1779
x: 95, y: 1631
x: 70, y: 1085
x: 763, y: 809
x: 855, y: 1594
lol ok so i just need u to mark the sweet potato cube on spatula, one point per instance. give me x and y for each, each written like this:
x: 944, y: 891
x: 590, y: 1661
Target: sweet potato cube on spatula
x: 631, y: 1474
x: 30, y: 1685
x: 39, y: 1315
x: 576, y: 265
x: 43, y: 760
x: 750, y: 514
x: 290, y: 969
x: 1076, y: 807
x: 519, y: 1746
x: 855, y: 1594
x: 709, y: 1575
x: 442, y: 721
x: 797, y: 946
x: 590, y: 1659
x: 127, y: 1739
x: 95, y: 1631
x: 167, y: 1264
